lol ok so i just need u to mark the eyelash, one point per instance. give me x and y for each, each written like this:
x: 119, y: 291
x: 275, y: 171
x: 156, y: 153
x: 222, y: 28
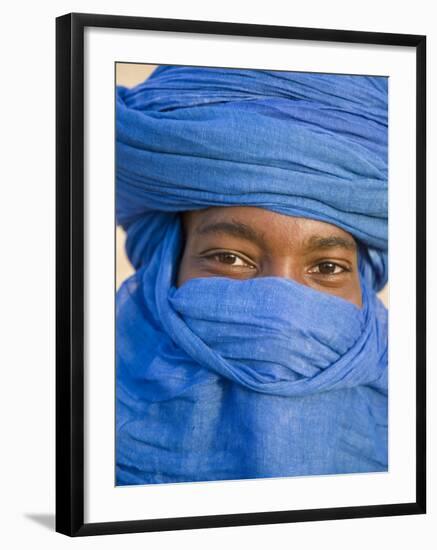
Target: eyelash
x: 342, y: 268
x: 221, y: 254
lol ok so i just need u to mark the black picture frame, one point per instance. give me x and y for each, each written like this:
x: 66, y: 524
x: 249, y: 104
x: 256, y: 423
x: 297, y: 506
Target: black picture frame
x: 70, y: 273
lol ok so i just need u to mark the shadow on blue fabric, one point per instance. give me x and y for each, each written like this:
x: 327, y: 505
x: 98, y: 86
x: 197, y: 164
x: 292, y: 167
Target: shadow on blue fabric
x: 224, y: 379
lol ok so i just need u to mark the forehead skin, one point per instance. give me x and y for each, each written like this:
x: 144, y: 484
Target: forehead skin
x: 273, y: 245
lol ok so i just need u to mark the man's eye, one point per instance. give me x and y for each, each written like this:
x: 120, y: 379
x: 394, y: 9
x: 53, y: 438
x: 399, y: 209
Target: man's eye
x: 328, y: 268
x: 231, y: 259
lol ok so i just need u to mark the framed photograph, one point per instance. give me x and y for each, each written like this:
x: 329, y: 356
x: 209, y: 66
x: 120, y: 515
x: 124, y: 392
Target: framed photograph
x: 240, y: 274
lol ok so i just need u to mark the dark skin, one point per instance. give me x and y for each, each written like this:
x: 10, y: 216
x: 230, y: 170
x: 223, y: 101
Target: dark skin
x: 245, y: 242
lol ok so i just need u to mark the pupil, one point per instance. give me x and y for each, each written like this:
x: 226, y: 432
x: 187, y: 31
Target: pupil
x: 327, y: 268
x: 228, y: 258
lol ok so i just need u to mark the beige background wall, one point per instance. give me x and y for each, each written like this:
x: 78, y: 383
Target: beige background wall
x: 127, y: 74
x: 130, y: 74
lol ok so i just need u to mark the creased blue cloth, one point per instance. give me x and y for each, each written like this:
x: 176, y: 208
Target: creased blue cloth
x: 225, y: 379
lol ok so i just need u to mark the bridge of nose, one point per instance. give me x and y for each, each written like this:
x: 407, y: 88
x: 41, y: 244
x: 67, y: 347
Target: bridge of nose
x: 286, y: 267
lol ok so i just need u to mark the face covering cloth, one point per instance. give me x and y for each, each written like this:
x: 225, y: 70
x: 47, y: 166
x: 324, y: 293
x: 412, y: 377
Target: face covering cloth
x: 224, y: 379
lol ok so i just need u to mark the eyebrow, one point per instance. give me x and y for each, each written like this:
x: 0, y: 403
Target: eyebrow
x: 234, y: 228
x: 317, y: 242
x: 243, y: 231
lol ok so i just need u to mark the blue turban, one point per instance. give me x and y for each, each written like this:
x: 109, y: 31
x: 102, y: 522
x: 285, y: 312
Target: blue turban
x: 226, y: 379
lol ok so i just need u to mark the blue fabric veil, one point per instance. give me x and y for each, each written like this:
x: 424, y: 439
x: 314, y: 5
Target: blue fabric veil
x: 225, y: 379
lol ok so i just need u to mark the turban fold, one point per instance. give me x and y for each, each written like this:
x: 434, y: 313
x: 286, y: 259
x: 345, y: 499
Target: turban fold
x: 225, y: 379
